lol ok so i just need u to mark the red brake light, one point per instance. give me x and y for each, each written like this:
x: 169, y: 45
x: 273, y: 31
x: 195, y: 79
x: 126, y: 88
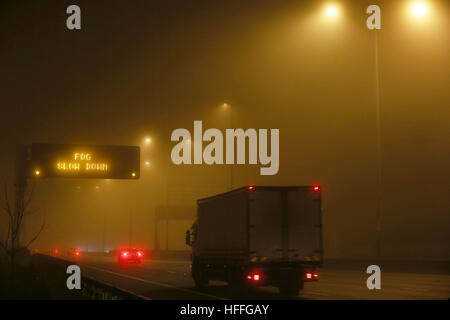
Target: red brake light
x: 309, y: 276
x: 251, y: 187
x: 315, y: 275
x: 254, y: 276
x: 77, y: 253
x: 316, y: 188
x: 124, y: 254
x: 139, y: 254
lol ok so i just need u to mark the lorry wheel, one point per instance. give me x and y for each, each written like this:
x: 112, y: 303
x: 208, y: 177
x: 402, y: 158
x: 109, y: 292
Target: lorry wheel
x: 198, y: 276
x: 235, y: 280
x: 236, y: 285
x: 290, y: 289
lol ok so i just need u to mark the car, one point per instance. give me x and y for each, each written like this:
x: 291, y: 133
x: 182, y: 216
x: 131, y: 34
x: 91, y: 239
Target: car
x: 72, y: 252
x: 130, y: 255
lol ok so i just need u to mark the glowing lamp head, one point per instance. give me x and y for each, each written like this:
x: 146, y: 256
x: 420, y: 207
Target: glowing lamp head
x: 37, y: 173
x: 133, y: 174
x: 148, y: 140
x: 331, y: 11
x: 419, y: 9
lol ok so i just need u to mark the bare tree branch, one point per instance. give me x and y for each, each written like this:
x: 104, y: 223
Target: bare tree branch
x: 36, y: 235
x: 16, y: 216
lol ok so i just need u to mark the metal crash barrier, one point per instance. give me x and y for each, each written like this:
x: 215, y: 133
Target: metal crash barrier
x: 91, y: 288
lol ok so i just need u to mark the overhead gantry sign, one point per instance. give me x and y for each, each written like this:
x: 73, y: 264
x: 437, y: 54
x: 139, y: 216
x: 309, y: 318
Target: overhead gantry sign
x: 78, y: 161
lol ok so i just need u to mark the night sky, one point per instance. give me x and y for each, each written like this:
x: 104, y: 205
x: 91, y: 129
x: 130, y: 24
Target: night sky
x: 145, y: 68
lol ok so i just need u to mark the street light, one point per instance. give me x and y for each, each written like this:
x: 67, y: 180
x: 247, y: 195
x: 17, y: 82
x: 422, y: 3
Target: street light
x: 147, y: 163
x: 148, y: 140
x: 226, y: 107
x: 331, y: 10
x: 419, y: 9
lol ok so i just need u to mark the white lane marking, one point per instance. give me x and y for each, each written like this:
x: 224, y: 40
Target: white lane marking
x: 415, y: 289
x: 155, y: 283
x: 315, y: 293
x: 186, y: 262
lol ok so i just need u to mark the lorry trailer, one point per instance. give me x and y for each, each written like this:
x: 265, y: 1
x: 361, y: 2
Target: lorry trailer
x: 258, y: 236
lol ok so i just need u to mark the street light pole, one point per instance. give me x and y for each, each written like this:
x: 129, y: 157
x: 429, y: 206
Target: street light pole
x: 231, y: 165
x: 379, y: 149
x: 227, y: 107
x: 131, y: 227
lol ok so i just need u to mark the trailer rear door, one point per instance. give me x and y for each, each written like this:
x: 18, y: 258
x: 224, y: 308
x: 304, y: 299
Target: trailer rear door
x: 285, y: 223
x: 304, y: 224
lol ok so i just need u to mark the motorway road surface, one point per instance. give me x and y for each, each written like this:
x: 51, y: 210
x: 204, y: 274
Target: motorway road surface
x: 169, y: 279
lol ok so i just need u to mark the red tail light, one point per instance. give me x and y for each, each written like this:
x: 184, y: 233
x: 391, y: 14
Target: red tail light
x: 315, y: 275
x: 309, y: 275
x: 251, y: 187
x: 139, y: 254
x: 125, y: 253
x: 254, y: 277
x: 77, y: 253
x: 316, y: 188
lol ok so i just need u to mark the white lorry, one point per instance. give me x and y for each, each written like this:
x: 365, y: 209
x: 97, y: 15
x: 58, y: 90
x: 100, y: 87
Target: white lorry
x: 256, y: 236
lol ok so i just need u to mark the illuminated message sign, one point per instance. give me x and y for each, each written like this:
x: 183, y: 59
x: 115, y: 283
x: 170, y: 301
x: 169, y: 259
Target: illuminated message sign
x: 77, y: 161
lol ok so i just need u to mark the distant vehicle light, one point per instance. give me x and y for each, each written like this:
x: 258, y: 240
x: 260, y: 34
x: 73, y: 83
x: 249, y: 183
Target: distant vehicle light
x: 249, y: 277
x: 315, y: 275
x: 256, y: 277
x: 309, y: 275
x: 77, y: 253
x: 251, y: 187
x: 139, y: 254
x: 316, y: 188
x: 124, y: 254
